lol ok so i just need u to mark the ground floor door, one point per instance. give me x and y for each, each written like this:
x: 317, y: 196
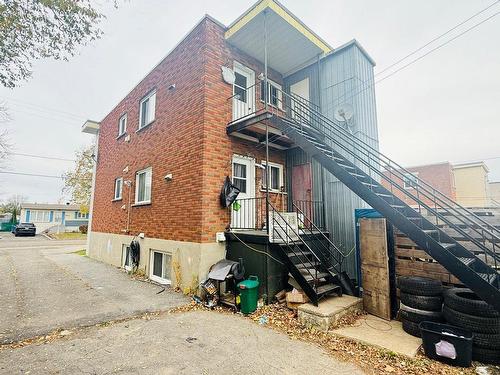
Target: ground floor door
x: 301, y: 91
x: 243, y: 214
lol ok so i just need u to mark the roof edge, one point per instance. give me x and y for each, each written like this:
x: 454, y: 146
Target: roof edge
x: 352, y: 42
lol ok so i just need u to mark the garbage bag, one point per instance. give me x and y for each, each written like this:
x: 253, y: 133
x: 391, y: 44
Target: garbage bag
x: 229, y: 193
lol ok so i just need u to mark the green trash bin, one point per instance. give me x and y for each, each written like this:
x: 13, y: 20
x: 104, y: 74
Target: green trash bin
x: 249, y: 293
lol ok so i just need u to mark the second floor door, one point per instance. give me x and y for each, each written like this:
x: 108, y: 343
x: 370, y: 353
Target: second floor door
x: 243, y: 91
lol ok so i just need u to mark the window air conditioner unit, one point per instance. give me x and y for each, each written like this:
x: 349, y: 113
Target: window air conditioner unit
x: 284, y: 227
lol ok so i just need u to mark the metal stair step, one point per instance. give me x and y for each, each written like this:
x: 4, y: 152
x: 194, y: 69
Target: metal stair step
x: 346, y: 166
x: 489, y: 277
x: 385, y: 195
x: 291, y: 254
x: 357, y: 174
x: 430, y: 231
x: 397, y: 206
x: 447, y: 245
x: 327, y: 288
x: 368, y: 184
x: 466, y: 260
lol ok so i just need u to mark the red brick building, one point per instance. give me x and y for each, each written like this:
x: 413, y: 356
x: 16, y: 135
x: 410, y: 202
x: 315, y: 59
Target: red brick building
x: 439, y: 176
x: 164, y: 151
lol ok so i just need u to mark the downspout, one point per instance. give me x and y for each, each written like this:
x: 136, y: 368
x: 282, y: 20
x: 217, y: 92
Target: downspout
x: 92, y: 193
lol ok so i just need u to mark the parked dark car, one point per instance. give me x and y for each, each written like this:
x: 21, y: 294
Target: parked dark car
x: 24, y: 229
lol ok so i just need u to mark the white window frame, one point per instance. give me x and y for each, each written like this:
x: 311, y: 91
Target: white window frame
x: 118, y: 197
x: 408, y: 179
x: 163, y: 279
x: 149, y: 174
x: 279, y: 97
x: 280, y: 176
x: 122, y: 129
x: 41, y: 216
x: 151, y: 97
x: 124, y: 257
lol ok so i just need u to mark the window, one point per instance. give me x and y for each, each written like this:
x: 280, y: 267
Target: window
x: 143, y: 186
x: 118, y: 188
x: 275, y: 177
x: 126, y: 257
x: 273, y: 93
x: 147, y: 110
x: 39, y: 216
x: 240, y: 87
x: 80, y: 215
x: 240, y: 176
x: 122, y: 125
x: 160, y: 267
x: 410, y: 180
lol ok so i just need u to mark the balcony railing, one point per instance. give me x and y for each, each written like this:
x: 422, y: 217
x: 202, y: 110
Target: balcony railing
x: 313, y: 211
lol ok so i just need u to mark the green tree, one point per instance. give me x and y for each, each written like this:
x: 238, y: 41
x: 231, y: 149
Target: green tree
x: 35, y: 29
x: 78, y: 181
x: 13, y: 205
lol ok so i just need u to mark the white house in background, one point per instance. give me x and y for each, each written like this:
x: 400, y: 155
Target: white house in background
x: 53, y: 217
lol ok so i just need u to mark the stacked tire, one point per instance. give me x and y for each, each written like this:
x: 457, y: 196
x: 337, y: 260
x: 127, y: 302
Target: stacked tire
x: 421, y: 300
x: 463, y: 308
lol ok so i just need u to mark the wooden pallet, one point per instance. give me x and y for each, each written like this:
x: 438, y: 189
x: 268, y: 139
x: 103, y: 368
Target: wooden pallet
x: 413, y: 261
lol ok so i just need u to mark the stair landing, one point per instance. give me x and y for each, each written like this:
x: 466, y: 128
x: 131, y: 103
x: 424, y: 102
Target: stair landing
x: 328, y: 311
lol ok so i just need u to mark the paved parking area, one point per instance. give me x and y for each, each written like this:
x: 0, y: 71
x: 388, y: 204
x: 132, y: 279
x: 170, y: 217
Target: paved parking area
x: 46, y: 286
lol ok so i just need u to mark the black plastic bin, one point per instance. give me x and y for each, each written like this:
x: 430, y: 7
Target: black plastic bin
x: 441, y: 341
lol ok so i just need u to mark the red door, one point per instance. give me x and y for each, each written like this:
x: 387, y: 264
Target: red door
x: 302, y: 189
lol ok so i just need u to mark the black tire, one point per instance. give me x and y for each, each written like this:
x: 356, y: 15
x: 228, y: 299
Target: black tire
x: 487, y: 341
x: 428, y: 303
x: 411, y: 328
x: 474, y: 323
x: 420, y: 286
x: 412, y: 316
x: 466, y: 301
x: 491, y: 356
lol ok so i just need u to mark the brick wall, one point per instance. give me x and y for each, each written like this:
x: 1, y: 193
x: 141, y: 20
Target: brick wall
x: 188, y: 139
x: 439, y: 176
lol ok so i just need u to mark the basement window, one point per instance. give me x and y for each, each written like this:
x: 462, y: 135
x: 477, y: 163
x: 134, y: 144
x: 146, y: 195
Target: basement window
x: 275, y: 177
x: 147, y: 109
x: 410, y: 180
x: 118, y: 188
x: 160, y: 266
x: 126, y: 257
x: 273, y: 93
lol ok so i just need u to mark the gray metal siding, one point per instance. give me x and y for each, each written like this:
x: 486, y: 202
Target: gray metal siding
x: 346, y: 76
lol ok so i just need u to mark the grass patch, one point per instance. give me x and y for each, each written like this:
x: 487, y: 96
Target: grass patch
x: 69, y: 236
x: 80, y: 252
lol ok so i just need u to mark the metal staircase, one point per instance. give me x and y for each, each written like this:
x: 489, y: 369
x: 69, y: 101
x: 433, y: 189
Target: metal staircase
x: 302, y: 257
x: 474, y: 260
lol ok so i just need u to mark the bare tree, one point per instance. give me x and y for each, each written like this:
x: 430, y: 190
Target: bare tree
x: 5, y: 146
x: 13, y: 205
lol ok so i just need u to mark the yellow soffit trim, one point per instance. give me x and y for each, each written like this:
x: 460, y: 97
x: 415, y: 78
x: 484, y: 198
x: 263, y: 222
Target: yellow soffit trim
x: 283, y: 14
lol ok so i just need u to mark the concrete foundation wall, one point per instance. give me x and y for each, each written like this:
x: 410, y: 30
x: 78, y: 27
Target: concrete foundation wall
x: 190, y: 260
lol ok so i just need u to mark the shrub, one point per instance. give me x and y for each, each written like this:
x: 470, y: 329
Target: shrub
x: 83, y: 229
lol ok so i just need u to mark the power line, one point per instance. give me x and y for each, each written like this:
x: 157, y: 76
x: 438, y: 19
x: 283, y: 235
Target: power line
x: 438, y: 37
x: 31, y: 174
x: 40, y: 156
x: 36, y: 106
x: 417, y: 59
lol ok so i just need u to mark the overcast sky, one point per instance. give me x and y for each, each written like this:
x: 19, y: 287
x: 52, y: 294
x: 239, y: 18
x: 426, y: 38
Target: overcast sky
x: 445, y: 107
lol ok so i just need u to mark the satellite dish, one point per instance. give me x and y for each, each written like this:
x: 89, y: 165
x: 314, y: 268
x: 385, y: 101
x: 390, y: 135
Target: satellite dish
x: 343, y: 112
x: 228, y: 75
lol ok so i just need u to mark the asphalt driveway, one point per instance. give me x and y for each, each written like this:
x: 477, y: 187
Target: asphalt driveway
x: 45, y: 286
